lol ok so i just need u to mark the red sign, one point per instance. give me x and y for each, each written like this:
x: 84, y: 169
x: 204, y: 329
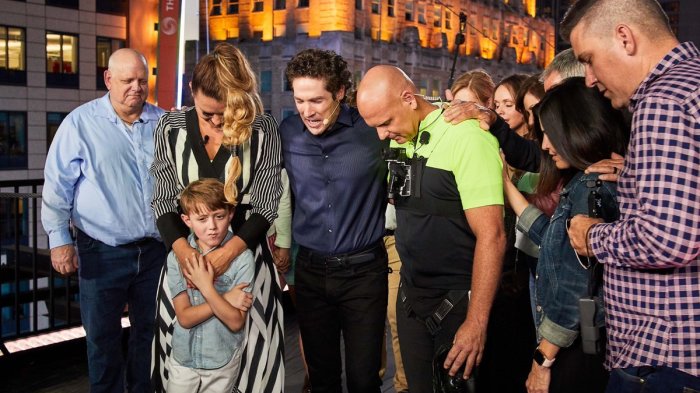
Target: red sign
x: 168, y: 53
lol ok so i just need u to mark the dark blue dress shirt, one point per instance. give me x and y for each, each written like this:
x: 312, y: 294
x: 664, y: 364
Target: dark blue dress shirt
x: 339, y: 183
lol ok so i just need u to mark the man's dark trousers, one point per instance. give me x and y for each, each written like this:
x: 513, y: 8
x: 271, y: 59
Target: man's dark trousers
x: 351, y: 299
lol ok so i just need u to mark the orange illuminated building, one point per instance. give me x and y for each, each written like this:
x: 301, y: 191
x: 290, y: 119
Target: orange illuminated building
x: 418, y: 36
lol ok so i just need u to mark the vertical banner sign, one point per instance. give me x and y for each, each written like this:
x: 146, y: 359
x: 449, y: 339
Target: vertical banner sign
x: 168, y: 53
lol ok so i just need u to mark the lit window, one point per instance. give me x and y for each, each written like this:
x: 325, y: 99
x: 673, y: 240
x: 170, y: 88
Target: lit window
x: 436, y: 88
x: 13, y: 140
x: 390, y: 8
x: 421, y: 13
x: 61, y: 60
x: 280, y: 4
x: 303, y: 4
x: 12, y: 64
x: 376, y: 6
x: 437, y: 17
x: 232, y: 7
x: 53, y: 120
x: 258, y: 6
x: 105, y: 47
x: 409, y: 10
x: 215, y: 8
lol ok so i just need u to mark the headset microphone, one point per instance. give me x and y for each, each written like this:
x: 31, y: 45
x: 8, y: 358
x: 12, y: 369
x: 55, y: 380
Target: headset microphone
x: 205, y: 139
x: 328, y: 119
x: 424, y: 138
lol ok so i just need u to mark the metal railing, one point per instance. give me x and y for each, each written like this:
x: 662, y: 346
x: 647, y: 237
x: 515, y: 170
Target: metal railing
x: 34, y: 298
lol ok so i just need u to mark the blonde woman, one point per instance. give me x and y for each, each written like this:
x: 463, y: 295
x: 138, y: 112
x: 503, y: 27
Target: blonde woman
x: 226, y: 136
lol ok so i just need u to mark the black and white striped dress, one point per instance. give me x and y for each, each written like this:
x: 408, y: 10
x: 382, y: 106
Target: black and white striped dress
x: 180, y: 158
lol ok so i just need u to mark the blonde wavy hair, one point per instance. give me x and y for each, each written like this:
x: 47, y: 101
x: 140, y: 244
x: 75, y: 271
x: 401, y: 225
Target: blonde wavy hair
x: 226, y: 75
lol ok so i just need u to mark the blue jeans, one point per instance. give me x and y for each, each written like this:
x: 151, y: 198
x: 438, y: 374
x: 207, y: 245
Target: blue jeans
x: 648, y: 379
x: 111, y: 278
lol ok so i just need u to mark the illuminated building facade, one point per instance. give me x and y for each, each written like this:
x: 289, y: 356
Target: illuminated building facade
x: 502, y: 37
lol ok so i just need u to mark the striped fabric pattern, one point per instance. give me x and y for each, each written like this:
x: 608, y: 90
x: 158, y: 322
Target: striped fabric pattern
x: 651, y: 255
x: 262, y: 363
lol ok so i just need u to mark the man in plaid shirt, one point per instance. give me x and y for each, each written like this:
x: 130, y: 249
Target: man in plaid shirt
x: 652, y: 267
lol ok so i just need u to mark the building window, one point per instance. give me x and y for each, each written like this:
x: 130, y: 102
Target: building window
x: 61, y: 60
x: 215, y: 8
x: 390, y: 8
x: 265, y: 81
x: 376, y: 6
x: 303, y: 4
x: 280, y: 4
x: 258, y: 6
x: 53, y: 121
x: 437, y: 17
x: 117, y: 7
x: 409, y: 10
x: 105, y: 47
x: 448, y: 20
x: 12, y: 58
x: 13, y: 140
x: 358, y: 5
x: 232, y: 7
x: 436, y: 88
x: 286, y: 112
x: 64, y: 3
x: 421, y: 13
x: 423, y: 86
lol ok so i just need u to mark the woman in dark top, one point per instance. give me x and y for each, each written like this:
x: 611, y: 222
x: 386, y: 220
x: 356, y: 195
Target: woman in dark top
x: 224, y: 136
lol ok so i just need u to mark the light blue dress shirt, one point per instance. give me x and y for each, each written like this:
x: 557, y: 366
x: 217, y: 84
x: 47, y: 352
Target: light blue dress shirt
x: 96, y: 176
x: 209, y: 345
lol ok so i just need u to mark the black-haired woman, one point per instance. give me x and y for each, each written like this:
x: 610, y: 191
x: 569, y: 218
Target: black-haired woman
x: 580, y: 128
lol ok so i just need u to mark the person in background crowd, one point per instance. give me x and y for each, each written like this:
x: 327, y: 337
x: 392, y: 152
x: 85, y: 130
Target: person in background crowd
x: 225, y: 136
x: 651, y: 254
x: 400, y: 384
x: 473, y: 86
x: 504, y: 102
x: 96, y: 179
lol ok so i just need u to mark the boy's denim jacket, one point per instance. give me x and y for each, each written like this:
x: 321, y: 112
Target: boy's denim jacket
x: 561, y: 280
x: 209, y: 345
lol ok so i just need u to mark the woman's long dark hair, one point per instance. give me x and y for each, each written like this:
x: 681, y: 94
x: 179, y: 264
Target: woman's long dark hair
x: 582, y: 126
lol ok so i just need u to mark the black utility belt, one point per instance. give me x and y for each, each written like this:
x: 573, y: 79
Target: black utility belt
x: 361, y: 256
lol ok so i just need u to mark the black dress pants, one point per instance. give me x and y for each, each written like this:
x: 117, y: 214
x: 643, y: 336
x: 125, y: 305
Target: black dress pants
x: 351, y: 300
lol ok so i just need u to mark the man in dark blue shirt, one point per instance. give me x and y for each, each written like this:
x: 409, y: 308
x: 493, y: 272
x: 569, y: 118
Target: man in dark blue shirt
x: 336, y: 172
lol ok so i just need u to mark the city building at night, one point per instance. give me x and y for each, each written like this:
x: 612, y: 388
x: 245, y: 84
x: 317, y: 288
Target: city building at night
x: 418, y: 36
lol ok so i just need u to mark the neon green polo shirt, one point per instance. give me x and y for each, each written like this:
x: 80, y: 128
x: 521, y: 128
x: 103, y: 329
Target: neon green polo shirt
x: 462, y: 172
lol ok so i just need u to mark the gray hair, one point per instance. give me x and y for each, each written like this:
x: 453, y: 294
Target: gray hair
x: 566, y: 64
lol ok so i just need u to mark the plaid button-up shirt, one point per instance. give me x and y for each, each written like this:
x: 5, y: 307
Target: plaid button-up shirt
x: 652, y: 267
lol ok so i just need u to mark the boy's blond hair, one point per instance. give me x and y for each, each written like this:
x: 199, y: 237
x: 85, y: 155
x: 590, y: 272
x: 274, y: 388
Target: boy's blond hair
x: 204, y: 193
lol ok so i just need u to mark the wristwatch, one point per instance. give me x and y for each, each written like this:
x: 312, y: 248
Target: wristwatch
x: 542, y: 360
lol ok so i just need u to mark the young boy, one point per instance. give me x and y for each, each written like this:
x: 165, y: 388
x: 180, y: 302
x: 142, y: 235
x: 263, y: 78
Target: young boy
x: 207, y: 338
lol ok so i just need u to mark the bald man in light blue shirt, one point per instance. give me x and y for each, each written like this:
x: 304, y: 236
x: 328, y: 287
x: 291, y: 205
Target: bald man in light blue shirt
x: 97, y: 182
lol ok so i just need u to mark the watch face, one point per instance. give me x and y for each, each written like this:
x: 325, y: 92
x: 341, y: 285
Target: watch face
x: 540, y: 359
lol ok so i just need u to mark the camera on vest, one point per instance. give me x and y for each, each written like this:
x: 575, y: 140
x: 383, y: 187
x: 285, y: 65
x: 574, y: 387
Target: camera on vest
x: 399, y: 172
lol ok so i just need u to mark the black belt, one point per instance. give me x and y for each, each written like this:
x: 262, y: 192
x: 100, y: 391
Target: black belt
x: 139, y: 242
x: 364, y: 255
